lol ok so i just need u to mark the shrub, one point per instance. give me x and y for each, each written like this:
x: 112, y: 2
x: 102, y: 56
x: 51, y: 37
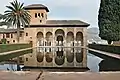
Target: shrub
x: 106, y: 48
x: 4, y: 41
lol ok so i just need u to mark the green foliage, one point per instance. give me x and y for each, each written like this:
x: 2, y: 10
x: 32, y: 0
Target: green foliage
x: 106, y: 48
x: 4, y: 41
x: 109, y: 20
x: 16, y: 15
x: 13, y: 55
x: 3, y: 22
x: 0, y: 42
x: 11, y: 47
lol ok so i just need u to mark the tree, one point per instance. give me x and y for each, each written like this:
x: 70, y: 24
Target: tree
x: 3, y: 22
x: 109, y: 20
x: 16, y: 15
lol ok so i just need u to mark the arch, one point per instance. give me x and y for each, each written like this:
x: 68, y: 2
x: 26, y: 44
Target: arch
x: 40, y: 39
x: 39, y: 35
x: 60, y: 53
x: 59, y: 32
x: 40, y: 57
x: 49, y: 36
x: 79, y: 53
x: 70, y: 36
x: 79, y: 39
x: 49, y: 57
x: 69, y: 56
x: 79, y: 57
x: 59, y: 38
x: 79, y: 36
x: 60, y: 60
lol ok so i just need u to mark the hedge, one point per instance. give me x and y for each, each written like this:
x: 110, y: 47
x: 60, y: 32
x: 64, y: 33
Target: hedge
x: 106, y: 48
x: 11, y: 47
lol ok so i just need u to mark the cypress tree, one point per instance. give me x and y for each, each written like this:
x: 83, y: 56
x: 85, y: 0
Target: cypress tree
x: 109, y: 20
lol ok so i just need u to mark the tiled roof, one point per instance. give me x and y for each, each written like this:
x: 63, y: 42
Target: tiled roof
x: 36, y: 6
x: 66, y: 22
x: 62, y: 23
x: 2, y: 30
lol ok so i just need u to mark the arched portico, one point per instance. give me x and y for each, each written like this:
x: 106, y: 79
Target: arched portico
x: 40, y: 39
x: 59, y: 36
x: 79, y: 51
x: 61, y: 48
x: 70, y: 51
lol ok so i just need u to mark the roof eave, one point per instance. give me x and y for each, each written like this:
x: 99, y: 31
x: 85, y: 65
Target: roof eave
x: 58, y: 25
x: 32, y: 8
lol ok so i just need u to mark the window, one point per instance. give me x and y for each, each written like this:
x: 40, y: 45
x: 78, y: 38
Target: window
x: 39, y: 14
x: 14, y: 41
x: 26, y: 59
x: 20, y: 34
x: 8, y: 42
x: 7, y: 35
x: 35, y: 15
x: 42, y: 14
x: 26, y: 34
x: 40, y: 21
x: 3, y: 36
x: 11, y: 35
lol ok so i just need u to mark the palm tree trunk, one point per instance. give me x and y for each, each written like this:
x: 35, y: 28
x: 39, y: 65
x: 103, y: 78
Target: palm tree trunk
x: 18, y: 32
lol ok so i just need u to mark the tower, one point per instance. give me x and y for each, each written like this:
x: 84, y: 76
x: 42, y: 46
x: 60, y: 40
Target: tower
x: 38, y: 13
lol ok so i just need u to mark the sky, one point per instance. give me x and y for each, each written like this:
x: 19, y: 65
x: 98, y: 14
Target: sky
x: 84, y: 10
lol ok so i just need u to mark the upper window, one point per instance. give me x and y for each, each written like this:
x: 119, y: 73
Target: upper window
x: 40, y: 21
x: 39, y: 14
x: 3, y: 36
x: 14, y: 41
x: 35, y: 15
x: 20, y: 34
x: 8, y: 42
x: 42, y: 14
x: 26, y: 34
x: 11, y: 35
x: 7, y: 35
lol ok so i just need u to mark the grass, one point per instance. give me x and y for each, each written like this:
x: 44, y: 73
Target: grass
x: 12, y: 47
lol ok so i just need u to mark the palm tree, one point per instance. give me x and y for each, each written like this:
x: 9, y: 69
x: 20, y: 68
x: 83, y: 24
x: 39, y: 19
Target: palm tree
x: 2, y: 22
x: 16, y: 15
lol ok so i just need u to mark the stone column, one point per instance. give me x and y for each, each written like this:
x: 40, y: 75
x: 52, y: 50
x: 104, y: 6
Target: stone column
x: 65, y: 44
x: 44, y: 39
x: 84, y: 49
x: 53, y: 52
x: 74, y: 48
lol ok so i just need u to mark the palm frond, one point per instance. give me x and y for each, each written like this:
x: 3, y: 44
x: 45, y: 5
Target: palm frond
x: 11, y: 8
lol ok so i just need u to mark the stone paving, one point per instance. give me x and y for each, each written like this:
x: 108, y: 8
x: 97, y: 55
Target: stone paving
x: 27, y: 75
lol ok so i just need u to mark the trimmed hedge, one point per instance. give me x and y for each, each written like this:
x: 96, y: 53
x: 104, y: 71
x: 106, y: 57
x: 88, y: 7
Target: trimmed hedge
x: 106, y: 48
x: 11, y: 47
x: 3, y: 41
x: 13, y: 55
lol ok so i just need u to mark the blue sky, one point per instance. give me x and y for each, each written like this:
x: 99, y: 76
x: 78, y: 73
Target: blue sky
x: 85, y: 10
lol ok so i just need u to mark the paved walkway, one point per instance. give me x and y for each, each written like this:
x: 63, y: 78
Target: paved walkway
x: 59, y: 76
x: 106, y: 53
x: 14, y: 51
